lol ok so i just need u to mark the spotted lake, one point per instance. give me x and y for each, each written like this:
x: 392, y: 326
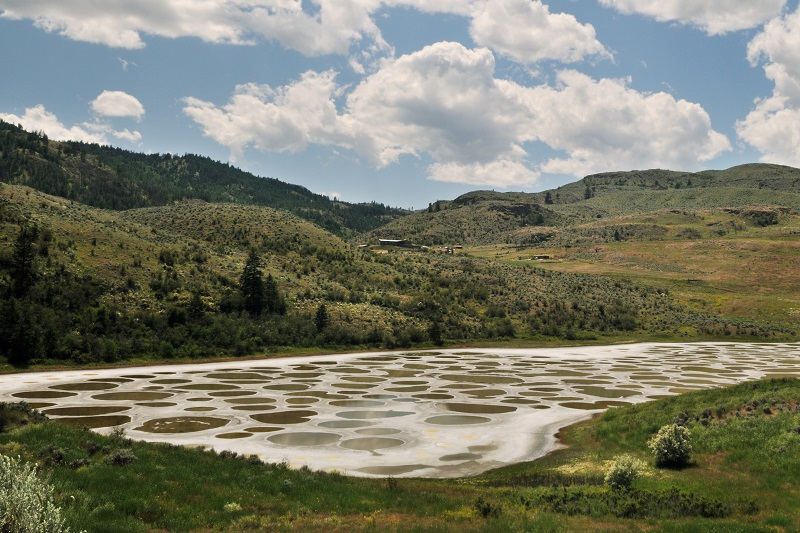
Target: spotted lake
x: 437, y: 413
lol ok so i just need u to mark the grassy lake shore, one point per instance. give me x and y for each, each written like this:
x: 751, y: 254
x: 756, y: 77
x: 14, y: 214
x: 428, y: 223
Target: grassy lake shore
x: 743, y: 477
x: 283, y: 352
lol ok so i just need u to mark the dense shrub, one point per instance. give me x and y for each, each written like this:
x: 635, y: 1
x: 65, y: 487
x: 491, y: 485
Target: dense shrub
x: 17, y: 414
x: 669, y: 502
x: 120, y: 457
x: 623, y: 472
x: 26, y: 502
x: 671, y: 446
x: 487, y: 509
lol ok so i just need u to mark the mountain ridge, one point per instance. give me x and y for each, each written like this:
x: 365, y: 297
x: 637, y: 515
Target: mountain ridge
x: 491, y: 217
x: 117, y: 179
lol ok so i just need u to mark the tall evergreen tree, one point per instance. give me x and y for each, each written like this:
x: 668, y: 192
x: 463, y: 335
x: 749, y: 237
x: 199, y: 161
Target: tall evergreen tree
x: 25, y: 338
x: 273, y: 300
x: 23, y: 272
x: 321, y: 318
x: 435, y: 332
x: 252, y: 285
x: 196, y: 308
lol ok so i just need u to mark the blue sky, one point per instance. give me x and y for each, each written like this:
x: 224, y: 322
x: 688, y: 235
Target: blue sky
x: 409, y: 101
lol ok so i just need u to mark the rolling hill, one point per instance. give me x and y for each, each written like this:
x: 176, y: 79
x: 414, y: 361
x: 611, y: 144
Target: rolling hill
x: 164, y: 282
x: 111, y: 178
x: 488, y: 217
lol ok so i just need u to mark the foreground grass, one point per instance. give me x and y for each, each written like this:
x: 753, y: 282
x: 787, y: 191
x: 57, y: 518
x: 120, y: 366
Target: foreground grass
x: 745, y: 476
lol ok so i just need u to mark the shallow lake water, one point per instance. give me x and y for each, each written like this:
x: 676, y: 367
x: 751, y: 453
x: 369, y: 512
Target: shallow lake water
x: 440, y: 413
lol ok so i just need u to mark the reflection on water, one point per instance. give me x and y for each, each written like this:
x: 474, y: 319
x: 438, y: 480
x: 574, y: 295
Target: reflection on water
x: 371, y: 443
x: 95, y: 422
x: 425, y: 413
x: 85, y: 411
x: 304, y: 439
x: 457, y: 420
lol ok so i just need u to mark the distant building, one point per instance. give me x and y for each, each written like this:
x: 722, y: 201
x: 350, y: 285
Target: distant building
x: 394, y: 242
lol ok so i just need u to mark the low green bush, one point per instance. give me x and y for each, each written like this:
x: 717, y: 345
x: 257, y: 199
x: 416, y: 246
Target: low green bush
x: 13, y: 415
x: 120, y: 457
x: 668, y: 502
x: 487, y: 509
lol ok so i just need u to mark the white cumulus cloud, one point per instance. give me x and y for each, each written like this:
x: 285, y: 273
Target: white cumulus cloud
x: 444, y: 103
x: 120, y: 23
x: 773, y: 126
x: 117, y: 104
x: 442, y: 100
x: 523, y: 30
x: 605, y: 125
x: 285, y: 119
x: 527, y: 32
x: 502, y: 173
x: 37, y: 118
x: 713, y: 16
x: 331, y: 28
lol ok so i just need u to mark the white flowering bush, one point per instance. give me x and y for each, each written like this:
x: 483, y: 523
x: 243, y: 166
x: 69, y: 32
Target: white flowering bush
x: 232, y: 507
x: 623, y: 472
x: 672, y: 446
x: 26, y: 501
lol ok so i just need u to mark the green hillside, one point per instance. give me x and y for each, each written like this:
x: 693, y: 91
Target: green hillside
x: 469, y: 219
x: 232, y: 226
x: 488, y: 217
x: 112, y: 178
x: 751, y: 176
x: 88, y: 285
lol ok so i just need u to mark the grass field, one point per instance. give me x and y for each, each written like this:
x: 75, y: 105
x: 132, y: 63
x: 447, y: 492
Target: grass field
x: 743, y: 477
x: 747, y: 271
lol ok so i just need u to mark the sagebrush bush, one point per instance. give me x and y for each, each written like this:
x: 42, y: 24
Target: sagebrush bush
x: 26, y: 501
x: 671, y: 446
x: 487, y: 509
x: 623, y: 472
x: 120, y: 457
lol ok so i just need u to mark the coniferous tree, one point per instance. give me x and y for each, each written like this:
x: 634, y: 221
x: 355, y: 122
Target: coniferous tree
x: 321, y: 318
x: 252, y: 285
x: 273, y: 301
x: 435, y: 333
x: 196, y: 308
x: 24, y: 338
x: 23, y: 273
x: 548, y: 198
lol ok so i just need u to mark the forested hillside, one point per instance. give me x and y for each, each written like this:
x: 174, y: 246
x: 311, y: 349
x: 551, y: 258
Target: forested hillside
x: 111, y: 178
x: 81, y: 284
